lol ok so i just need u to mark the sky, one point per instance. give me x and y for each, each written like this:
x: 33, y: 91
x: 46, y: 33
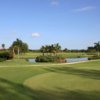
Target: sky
x: 74, y: 24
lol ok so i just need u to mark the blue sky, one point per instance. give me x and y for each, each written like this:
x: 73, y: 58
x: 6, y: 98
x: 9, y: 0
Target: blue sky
x: 75, y: 24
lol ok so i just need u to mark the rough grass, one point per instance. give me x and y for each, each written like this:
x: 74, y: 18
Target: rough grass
x: 56, y: 82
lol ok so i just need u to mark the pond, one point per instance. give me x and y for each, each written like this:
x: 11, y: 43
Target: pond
x: 68, y: 60
x: 31, y: 60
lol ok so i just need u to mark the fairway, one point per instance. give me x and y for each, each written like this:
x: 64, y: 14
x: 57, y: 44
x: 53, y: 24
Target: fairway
x: 25, y: 81
x: 67, y: 55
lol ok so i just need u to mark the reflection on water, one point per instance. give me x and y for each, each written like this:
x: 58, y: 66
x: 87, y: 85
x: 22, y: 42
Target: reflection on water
x: 69, y: 60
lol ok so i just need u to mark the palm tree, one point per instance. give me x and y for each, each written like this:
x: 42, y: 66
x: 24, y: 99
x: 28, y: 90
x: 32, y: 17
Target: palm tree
x: 3, y: 46
x: 16, y: 49
x: 47, y: 49
x: 42, y: 50
x: 52, y: 49
x: 57, y: 47
x: 97, y: 47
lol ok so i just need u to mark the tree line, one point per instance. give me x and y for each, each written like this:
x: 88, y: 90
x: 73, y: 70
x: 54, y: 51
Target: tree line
x: 18, y: 46
x: 52, y: 49
x: 95, y: 48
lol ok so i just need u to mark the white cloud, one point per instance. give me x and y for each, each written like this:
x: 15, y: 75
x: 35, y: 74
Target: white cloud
x: 54, y: 2
x: 35, y: 34
x: 88, y: 8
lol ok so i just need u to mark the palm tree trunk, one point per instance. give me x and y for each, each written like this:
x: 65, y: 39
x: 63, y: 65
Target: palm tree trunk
x: 43, y: 53
x: 98, y: 53
x: 13, y: 52
x: 18, y: 52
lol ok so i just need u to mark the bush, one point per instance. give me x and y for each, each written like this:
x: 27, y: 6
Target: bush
x: 5, y: 55
x: 49, y: 58
x: 94, y: 58
x: 2, y: 59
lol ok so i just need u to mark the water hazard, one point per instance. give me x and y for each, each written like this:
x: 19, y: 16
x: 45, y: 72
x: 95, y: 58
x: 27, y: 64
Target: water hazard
x: 68, y: 60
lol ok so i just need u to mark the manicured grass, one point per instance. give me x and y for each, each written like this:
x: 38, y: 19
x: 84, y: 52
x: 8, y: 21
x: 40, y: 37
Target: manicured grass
x: 73, y: 55
x: 29, y: 55
x: 19, y: 75
x: 55, y: 82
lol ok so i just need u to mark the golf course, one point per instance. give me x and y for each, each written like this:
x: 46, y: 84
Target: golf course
x: 50, y: 50
x: 21, y: 80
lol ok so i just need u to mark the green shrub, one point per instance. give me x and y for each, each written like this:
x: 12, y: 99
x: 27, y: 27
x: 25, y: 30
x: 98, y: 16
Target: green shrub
x: 49, y: 58
x: 94, y: 58
x: 5, y: 55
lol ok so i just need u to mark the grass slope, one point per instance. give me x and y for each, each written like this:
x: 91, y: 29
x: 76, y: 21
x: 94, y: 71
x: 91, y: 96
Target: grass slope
x: 56, y: 82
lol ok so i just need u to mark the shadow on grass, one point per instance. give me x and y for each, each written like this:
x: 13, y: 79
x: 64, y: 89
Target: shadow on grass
x: 63, y: 94
x: 92, y: 74
x: 13, y: 91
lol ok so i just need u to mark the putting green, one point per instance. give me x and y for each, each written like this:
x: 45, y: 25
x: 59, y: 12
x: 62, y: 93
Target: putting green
x: 53, y: 81
x: 60, y: 86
